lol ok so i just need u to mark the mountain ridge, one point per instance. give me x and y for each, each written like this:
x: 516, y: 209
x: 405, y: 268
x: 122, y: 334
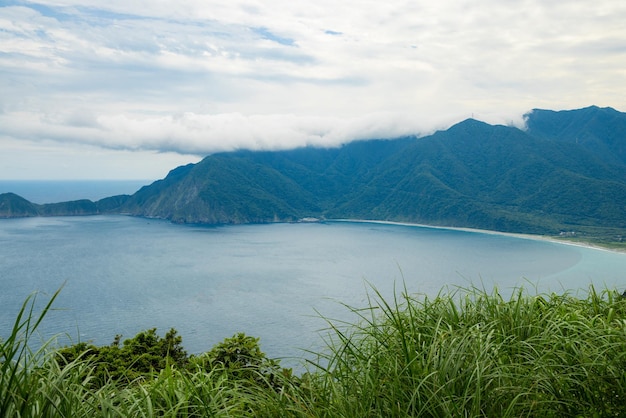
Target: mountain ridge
x: 565, y: 171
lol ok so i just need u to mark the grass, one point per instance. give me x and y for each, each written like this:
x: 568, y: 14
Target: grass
x: 466, y: 352
x: 476, y: 354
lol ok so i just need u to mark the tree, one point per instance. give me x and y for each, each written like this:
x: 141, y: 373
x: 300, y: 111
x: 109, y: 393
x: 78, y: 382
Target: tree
x: 241, y: 358
x: 137, y: 358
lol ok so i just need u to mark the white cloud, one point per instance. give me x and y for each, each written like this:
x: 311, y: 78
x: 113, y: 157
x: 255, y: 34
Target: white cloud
x: 197, y: 76
x: 201, y: 134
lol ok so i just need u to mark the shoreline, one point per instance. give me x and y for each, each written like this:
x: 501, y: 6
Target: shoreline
x: 536, y: 237
x: 489, y: 232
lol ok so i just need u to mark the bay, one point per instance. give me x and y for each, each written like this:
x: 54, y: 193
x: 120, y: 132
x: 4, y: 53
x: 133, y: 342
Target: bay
x: 121, y: 275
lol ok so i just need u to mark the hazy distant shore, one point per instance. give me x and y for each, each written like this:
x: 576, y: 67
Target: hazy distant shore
x: 57, y: 191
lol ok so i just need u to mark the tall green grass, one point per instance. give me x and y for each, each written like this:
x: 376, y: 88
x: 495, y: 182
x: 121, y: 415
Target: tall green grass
x: 473, y: 353
x: 31, y: 384
x: 463, y: 353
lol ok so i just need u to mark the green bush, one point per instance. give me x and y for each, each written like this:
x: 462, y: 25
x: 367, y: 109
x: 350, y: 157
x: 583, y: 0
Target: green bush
x: 137, y: 358
x: 241, y: 358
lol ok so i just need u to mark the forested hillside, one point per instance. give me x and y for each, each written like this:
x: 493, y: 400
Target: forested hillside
x: 565, y: 172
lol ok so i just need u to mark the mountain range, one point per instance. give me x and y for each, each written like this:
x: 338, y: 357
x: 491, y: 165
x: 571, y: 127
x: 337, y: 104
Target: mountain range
x: 565, y: 172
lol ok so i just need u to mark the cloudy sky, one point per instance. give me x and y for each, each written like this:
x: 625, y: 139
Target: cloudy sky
x: 132, y: 88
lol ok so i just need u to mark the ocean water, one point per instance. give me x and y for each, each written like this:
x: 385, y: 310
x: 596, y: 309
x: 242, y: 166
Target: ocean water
x: 54, y: 191
x: 121, y: 275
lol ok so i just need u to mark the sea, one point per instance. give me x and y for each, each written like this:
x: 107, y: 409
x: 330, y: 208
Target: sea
x: 284, y: 283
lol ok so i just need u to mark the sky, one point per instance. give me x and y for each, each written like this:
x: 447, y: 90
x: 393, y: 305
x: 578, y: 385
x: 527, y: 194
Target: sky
x: 93, y: 89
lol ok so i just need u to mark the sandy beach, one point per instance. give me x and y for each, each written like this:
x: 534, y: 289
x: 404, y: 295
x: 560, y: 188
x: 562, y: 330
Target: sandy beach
x: 489, y: 232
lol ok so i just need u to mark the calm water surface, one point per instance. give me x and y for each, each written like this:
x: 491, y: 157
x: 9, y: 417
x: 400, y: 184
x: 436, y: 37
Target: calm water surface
x: 122, y: 275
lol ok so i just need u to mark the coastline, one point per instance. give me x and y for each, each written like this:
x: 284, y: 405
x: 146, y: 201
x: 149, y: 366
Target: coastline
x: 489, y: 232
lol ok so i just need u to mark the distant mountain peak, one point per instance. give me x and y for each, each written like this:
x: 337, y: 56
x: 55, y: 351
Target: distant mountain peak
x: 472, y: 121
x: 470, y: 128
x: 577, y: 112
x: 601, y: 130
x: 469, y: 123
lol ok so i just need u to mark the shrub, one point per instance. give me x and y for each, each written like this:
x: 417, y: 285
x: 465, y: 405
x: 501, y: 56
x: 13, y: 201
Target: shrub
x: 138, y: 357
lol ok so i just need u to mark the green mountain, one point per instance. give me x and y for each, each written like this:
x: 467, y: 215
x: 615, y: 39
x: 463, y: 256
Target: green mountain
x: 14, y: 206
x: 494, y: 177
x: 565, y: 172
x: 601, y: 131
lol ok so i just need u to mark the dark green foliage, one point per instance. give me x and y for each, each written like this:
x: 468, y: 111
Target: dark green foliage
x: 138, y: 357
x: 241, y: 359
x: 111, y: 204
x: 598, y: 130
x: 73, y: 208
x: 238, y: 352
